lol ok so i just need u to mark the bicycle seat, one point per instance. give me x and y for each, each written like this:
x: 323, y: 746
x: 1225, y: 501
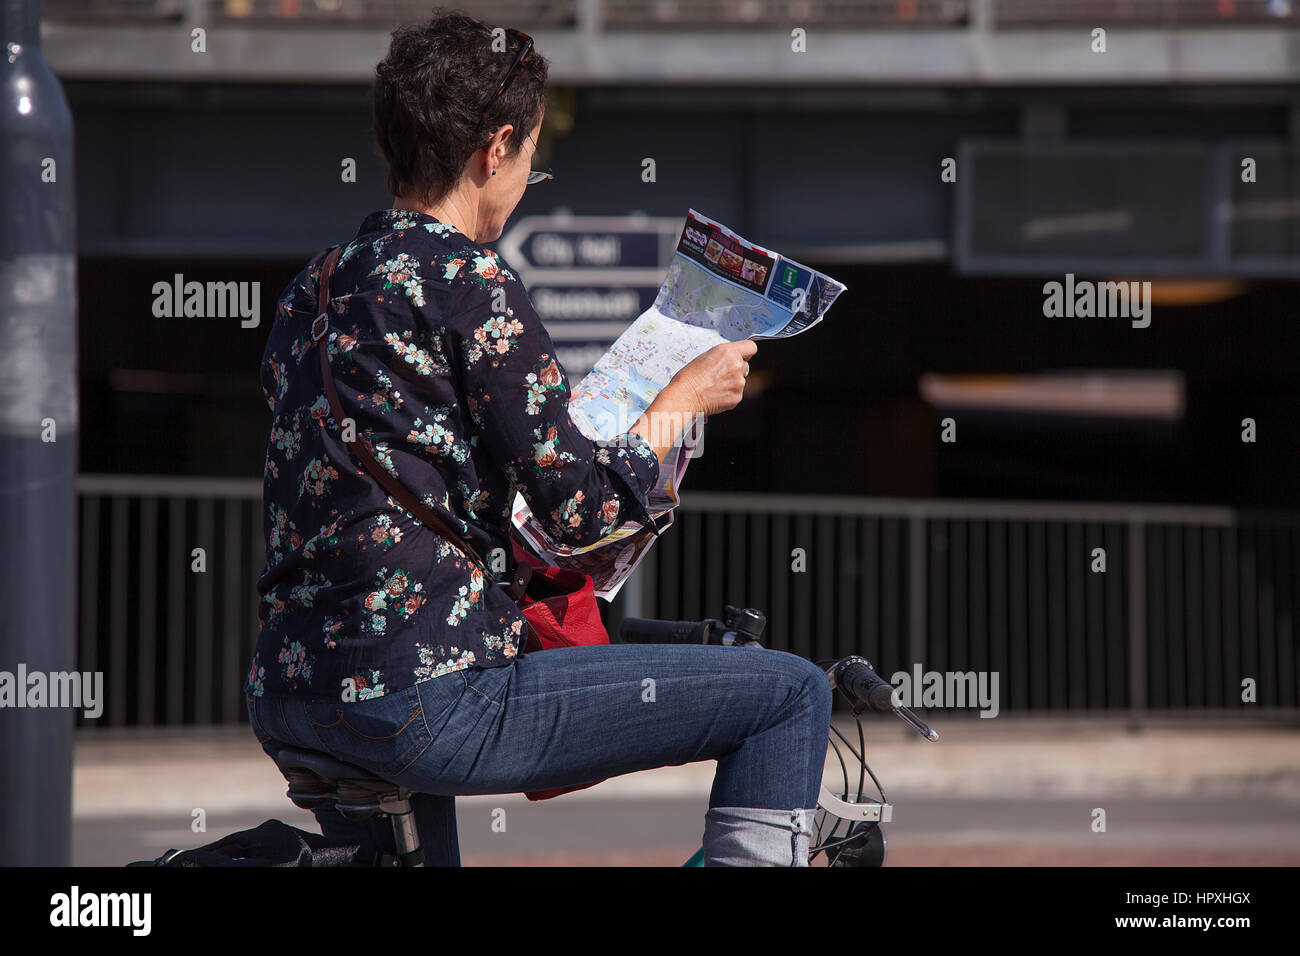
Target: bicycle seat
x: 316, y: 778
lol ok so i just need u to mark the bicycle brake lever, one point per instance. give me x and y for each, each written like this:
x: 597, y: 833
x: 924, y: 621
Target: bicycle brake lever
x: 916, y: 723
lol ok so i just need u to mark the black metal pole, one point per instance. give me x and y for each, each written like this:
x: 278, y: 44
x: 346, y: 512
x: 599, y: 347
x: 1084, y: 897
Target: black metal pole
x: 38, y: 445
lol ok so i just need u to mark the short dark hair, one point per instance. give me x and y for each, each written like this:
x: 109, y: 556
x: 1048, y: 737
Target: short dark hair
x: 429, y: 91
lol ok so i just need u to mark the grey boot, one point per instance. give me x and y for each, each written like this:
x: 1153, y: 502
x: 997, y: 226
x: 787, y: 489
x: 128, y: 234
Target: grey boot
x: 754, y: 836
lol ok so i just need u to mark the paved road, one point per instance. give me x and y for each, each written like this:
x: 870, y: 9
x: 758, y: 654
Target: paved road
x: 928, y: 831
x: 994, y: 792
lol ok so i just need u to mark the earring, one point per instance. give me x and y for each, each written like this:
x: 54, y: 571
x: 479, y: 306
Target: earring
x: 494, y: 172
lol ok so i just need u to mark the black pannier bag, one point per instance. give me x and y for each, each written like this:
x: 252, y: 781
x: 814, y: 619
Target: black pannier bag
x: 273, y: 843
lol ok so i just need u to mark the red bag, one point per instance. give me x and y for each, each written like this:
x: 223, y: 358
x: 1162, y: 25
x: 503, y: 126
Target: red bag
x: 561, y: 609
x: 558, y: 603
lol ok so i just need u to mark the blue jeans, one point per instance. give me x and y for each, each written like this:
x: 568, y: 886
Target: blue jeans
x: 569, y: 716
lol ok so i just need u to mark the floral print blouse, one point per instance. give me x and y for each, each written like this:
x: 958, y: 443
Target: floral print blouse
x: 442, y: 363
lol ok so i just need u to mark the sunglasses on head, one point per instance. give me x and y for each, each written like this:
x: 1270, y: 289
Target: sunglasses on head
x: 525, y: 44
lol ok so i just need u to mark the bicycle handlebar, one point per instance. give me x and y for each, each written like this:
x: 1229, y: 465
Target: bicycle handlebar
x: 742, y: 627
x: 641, y: 630
x: 738, y: 627
x: 859, y: 680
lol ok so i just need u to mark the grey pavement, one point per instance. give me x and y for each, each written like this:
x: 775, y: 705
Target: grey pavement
x: 987, y: 788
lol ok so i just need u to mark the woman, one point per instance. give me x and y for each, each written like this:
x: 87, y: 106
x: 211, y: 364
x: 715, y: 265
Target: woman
x: 381, y: 642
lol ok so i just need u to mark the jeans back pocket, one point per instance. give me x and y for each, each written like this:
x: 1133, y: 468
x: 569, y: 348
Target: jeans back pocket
x: 382, y: 734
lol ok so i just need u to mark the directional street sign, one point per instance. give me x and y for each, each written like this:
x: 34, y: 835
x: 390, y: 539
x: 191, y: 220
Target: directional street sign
x: 590, y: 276
x: 616, y: 302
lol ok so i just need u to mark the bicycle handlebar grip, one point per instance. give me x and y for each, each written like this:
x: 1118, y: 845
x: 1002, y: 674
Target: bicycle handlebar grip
x: 641, y: 630
x: 865, y: 685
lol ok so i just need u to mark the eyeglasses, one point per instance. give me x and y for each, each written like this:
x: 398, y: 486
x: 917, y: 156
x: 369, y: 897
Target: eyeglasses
x: 537, y: 175
x: 526, y: 43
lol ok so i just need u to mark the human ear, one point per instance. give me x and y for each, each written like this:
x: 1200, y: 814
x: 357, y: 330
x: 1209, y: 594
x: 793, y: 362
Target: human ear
x: 501, y: 142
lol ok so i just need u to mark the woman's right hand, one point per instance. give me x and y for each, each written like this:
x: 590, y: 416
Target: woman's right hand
x: 714, y: 381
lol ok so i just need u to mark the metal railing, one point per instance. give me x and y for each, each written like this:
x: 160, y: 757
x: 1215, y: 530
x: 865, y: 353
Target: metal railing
x: 1118, y: 13
x: 643, y: 14
x: 1191, y: 601
x: 93, y: 11
x: 168, y: 607
x: 675, y: 42
x: 647, y: 14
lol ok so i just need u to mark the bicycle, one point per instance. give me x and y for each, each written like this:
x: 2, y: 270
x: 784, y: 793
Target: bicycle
x: 863, y: 844
x: 317, y: 778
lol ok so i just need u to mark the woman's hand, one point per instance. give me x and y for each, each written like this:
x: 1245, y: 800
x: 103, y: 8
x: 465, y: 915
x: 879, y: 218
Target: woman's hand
x: 715, y: 380
x: 712, y: 382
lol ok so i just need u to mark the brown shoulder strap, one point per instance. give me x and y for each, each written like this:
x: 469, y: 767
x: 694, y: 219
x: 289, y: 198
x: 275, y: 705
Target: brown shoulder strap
x: 366, y: 455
